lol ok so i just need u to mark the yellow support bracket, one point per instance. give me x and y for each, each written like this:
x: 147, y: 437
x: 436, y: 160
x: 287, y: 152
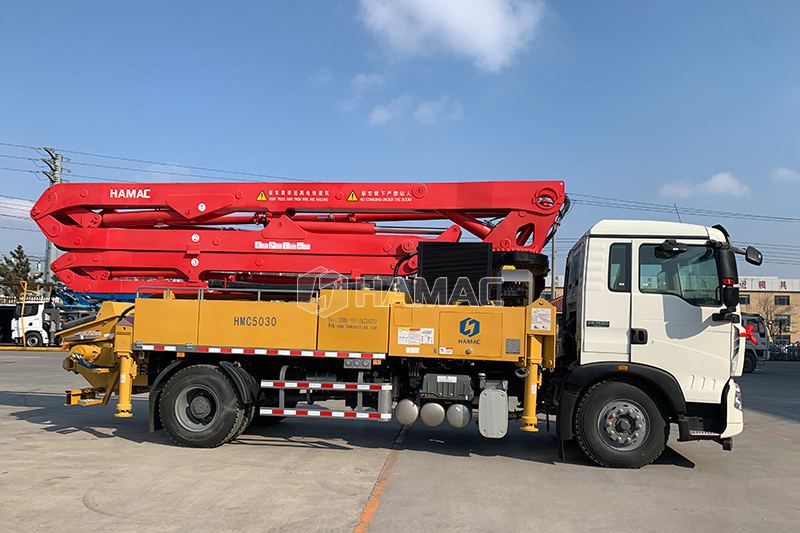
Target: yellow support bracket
x: 541, y: 331
x: 83, y: 397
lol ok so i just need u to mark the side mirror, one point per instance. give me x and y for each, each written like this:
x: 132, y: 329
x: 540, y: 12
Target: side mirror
x: 670, y: 248
x: 753, y: 256
x: 730, y: 296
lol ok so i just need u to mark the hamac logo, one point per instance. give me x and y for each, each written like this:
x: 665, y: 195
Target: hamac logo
x: 129, y: 193
x: 469, y: 327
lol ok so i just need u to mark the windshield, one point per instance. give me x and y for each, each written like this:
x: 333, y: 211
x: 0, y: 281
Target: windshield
x: 691, y: 275
x: 30, y: 310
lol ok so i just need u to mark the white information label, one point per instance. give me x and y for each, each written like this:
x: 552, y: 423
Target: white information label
x: 443, y: 350
x: 415, y: 336
x: 412, y: 349
x: 541, y: 319
x: 446, y: 379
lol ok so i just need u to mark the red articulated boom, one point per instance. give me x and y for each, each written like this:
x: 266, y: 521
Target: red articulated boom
x: 119, y: 237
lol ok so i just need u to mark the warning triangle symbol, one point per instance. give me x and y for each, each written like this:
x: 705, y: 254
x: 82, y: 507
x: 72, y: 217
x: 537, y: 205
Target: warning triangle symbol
x: 261, y: 197
x: 352, y: 197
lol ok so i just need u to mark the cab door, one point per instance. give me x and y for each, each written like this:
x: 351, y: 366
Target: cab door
x: 607, y: 302
x: 672, y: 323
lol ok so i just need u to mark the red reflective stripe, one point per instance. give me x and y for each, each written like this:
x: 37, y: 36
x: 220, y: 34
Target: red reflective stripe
x: 327, y: 386
x: 326, y: 413
x: 277, y: 411
x: 302, y: 384
x: 302, y: 412
x: 278, y: 384
x: 350, y: 387
x: 267, y: 351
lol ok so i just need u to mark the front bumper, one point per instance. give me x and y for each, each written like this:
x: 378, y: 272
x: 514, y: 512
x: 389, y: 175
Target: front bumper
x: 732, y: 404
x: 717, y: 422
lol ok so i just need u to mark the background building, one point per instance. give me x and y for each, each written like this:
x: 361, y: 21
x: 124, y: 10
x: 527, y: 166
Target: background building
x: 778, y: 301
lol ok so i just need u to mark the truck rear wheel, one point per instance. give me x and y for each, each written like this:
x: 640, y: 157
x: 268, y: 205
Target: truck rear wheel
x: 199, y: 407
x: 619, y: 425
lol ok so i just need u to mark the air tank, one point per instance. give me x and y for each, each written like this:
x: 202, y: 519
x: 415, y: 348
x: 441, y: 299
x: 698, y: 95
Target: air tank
x: 406, y: 412
x: 459, y: 415
x: 432, y: 414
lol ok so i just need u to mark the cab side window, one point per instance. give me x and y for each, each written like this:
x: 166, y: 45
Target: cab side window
x: 619, y: 267
x: 691, y: 275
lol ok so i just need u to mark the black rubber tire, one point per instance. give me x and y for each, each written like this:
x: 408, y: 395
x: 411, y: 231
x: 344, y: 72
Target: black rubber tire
x: 231, y: 412
x: 33, y: 339
x: 249, y: 415
x: 750, y: 362
x: 588, y: 435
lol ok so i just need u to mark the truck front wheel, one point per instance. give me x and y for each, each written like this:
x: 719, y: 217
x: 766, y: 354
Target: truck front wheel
x: 199, y: 407
x: 619, y: 425
x: 33, y: 339
x: 750, y: 362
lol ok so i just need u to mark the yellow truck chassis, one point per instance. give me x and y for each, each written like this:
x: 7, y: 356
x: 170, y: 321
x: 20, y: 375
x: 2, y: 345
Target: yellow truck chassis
x: 376, y: 350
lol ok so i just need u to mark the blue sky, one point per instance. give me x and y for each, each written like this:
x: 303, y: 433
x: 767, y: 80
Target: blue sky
x: 692, y: 103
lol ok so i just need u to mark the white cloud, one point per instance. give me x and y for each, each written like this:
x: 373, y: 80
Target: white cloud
x: 362, y: 84
x: 432, y: 112
x: 488, y: 32
x: 786, y: 174
x: 723, y: 183
x: 382, y: 114
x: 366, y: 81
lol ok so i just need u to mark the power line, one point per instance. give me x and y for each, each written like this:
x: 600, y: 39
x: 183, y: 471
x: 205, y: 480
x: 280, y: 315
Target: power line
x: 180, y: 165
x: 16, y: 198
x: 19, y: 170
x: 15, y: 216
x: 689, y: 211
x: 19, y: 157
x: 12, y: 207
x: 19, y: 146
x: 100, y: 178
x: 20, y: 229
x: 164, y: 172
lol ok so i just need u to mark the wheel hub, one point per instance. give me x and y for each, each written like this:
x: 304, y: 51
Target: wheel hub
x: 200, y: 407
x: 196, y: 408
x: 623, y: 424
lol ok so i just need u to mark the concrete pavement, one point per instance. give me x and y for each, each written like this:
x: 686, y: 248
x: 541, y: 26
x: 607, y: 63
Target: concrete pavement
x: 63, y: 468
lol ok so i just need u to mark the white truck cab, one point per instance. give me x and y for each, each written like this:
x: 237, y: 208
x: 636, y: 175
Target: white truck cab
x: 653, y: 305
x: 31, y: 323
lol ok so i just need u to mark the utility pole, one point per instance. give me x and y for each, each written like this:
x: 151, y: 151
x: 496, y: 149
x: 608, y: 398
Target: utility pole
x: 55, y: 162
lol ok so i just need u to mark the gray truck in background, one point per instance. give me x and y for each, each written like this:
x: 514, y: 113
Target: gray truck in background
x: 755, y: 353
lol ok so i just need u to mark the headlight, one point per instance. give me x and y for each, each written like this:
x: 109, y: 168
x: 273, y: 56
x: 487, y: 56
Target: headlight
x: 737, y: 397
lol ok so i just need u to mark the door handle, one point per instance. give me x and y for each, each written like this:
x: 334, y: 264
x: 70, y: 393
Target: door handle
x: 638, y: 336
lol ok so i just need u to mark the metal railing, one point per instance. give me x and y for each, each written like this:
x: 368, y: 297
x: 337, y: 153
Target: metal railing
x: 168, y: 293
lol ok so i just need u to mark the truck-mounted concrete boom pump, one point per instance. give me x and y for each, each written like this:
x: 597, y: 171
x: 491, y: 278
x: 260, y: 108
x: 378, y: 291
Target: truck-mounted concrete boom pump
x: 239, y: 300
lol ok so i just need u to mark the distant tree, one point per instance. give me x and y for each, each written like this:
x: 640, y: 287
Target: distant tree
x: 765, y: 306
x: 16, y: 267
